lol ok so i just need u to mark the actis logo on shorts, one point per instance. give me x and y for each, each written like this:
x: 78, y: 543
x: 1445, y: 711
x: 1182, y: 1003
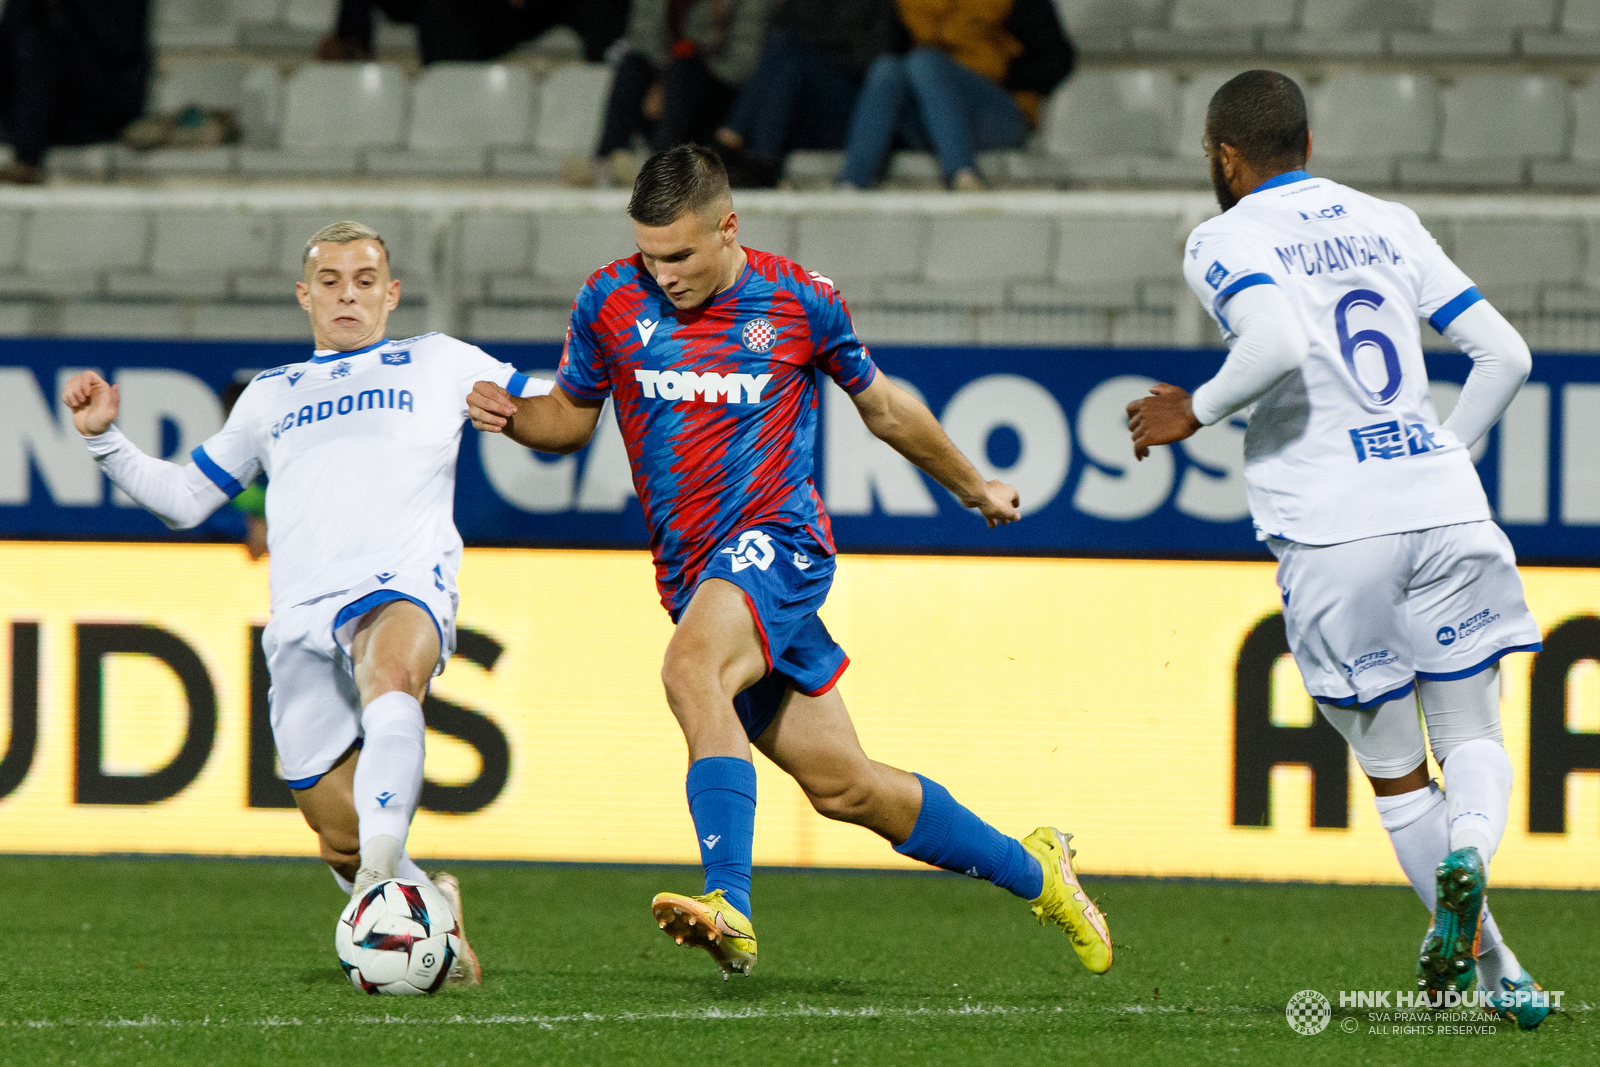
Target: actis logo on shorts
x: 1381, y: 658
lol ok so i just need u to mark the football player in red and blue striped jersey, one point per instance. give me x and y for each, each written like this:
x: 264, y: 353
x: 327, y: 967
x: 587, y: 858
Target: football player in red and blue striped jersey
x: 711, y: 354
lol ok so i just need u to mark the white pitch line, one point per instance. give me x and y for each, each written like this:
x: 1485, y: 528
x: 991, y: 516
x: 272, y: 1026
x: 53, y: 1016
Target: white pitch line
x: 706, y: 1015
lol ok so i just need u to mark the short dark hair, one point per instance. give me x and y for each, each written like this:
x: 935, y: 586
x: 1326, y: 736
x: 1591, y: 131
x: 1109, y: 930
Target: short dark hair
x: 685, y: 178
x: 1262, y: 114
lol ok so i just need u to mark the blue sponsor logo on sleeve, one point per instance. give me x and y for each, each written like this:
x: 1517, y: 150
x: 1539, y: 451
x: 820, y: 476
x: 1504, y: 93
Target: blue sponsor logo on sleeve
x: 273, y: 373
x: 1216, y: 274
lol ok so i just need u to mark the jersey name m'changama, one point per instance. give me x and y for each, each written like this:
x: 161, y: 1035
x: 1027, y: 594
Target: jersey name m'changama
x: 1349, y: 446
x: 718, y: 404
x: 360, y: 449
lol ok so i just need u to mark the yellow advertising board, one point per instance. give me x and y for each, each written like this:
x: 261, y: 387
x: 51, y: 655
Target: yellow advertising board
x: 1146, y: 706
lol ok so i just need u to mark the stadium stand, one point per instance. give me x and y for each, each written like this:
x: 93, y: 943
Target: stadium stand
x: 1414, y: 99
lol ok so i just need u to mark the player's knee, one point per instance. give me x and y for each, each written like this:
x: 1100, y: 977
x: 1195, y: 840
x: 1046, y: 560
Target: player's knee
x: 845, y: 800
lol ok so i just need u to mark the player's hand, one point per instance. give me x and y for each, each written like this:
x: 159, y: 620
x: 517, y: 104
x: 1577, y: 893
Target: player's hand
x: 93, y: 403
x: 999, y: 504
x: 1165, y: 416
x: 491, y: 407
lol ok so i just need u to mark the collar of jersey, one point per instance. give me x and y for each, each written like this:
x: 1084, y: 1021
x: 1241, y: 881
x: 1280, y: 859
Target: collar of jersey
x: 331, y: 356
x: 1286, y: 178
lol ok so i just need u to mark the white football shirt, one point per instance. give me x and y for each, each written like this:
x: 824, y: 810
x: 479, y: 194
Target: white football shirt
x: 1348, y: 446
x: 360, y: 452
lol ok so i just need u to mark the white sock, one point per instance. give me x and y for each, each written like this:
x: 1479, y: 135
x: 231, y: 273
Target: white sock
x: 1477, y: 780
x: 345, y: 884
x: 407, y: 868
x: 1497, y: 963
x: 1420, y: 832
x: 388, y: 778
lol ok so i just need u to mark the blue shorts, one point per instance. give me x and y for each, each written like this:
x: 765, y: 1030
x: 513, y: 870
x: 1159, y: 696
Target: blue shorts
x: 785, y: 574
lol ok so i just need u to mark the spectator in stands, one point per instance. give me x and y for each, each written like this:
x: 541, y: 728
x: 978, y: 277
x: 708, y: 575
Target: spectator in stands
x: 804, y: 86
x: 475, y: 30
x: 72, y: 72
x: 685, y: 62
x: 974, y: 82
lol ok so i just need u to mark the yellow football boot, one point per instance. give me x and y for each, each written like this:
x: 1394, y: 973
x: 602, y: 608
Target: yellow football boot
x: 1064, y: 902
x: 711, y: 923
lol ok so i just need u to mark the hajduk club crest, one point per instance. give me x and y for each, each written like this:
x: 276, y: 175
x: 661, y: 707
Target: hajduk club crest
x: 759, y: 335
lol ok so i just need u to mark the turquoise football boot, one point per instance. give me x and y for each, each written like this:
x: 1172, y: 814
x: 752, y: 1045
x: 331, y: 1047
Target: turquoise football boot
x: 1449, y: 956
x: 1514, y: 1001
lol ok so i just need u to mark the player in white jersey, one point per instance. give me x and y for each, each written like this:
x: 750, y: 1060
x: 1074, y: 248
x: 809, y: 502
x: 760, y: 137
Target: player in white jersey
x: 359, y: 442
x: 1397, y: 587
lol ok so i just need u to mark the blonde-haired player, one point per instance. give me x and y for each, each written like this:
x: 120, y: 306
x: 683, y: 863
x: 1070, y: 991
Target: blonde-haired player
x: 359, y: 441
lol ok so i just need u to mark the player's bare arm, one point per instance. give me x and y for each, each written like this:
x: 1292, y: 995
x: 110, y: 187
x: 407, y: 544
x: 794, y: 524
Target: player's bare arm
x: 558, y: 423
x: 904, y: 423
x: 1163, y: 417
x: 92, y: 401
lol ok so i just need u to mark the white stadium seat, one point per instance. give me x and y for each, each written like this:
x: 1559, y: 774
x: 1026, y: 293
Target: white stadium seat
x: 1102, y: 120
x: 1105, y: 260
x: 569, y: 248
x: 1346, y: 27
x: 1579, y: 36
x: 1510, y: 260
x: 1213, y: 26
x: 571, y: 101
x: 854, y: 249
x: 458, y: 112
x: 1103, y: 25
x: 201, y: 23
x: 1476, y: 27
x: 68, y: 241
x: 1492, y: 123
x: 1362, y: 122
x: 1582, y: 167
x: 195, y: 253
x: 330, y: 112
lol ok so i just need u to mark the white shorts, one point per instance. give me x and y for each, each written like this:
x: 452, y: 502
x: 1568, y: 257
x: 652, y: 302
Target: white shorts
x: 1369, y: 618
x: 314, y: 705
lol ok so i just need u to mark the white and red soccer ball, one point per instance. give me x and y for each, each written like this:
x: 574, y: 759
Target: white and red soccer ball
x: 399, y: 937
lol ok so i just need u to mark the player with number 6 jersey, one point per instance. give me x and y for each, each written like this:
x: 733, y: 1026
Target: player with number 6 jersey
x: 713, y: 355
x: 1397, y: 587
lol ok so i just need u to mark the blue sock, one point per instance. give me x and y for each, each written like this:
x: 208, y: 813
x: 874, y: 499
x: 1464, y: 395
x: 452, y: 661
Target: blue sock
x: 948, y: 835
x: 722, y: 802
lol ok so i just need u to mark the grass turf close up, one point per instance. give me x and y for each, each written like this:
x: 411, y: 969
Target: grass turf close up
x: 203, y: 962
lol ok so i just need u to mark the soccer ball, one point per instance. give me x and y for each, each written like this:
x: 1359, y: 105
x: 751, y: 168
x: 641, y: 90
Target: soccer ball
x: 399, y: 937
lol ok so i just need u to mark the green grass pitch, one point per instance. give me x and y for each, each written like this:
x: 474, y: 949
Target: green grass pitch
x: 218, y: 962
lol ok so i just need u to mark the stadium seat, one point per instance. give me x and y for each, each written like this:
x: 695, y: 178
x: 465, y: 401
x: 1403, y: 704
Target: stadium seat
x: 495, y: 245
x: 767, y: 232
x: 1103, y: 25
x: 95, y: 318
x: 183, y: 24
x: 330, y: 112
x: 1582, y: 167
x: 1579, y: 37
x: 1106, y: 261
x: 10, y: 241
x: 458, y: 112
x: 288, y: 25
x: 67, y: 249
x: 252, y: 91
x: 1102, y: 120
x: 1475, y: 27
x: 283, y: 265
x: 195, y: 253
x: 1492, y: 123
x: 970, y: 261
x: 1362, y: 122
x: 859, y: 249
x: 569, y: 248
x: 1187, y: 165
x: 1346, y: 27
x: 1215, y: 26
x: 1510, y: 260
x: 571, y: 102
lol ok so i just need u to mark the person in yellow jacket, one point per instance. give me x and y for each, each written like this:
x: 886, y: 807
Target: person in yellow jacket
x: 974, y: 80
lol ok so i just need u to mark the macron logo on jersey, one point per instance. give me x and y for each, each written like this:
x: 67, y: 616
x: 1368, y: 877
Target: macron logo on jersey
x: 647, y: 329
x: 710, y: 386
